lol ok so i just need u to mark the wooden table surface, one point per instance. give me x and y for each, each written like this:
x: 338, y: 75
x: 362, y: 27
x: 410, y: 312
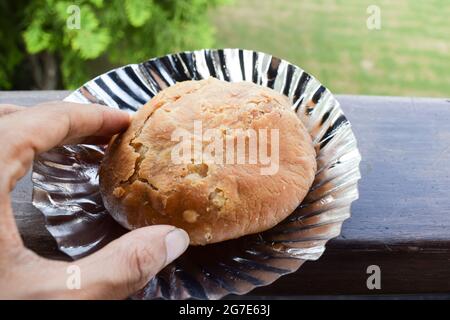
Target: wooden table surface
x: 401, y: 222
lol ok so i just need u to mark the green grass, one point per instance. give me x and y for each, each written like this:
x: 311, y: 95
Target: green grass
x: 409, y: 55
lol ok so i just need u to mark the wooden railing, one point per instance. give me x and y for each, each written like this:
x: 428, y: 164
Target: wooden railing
x: 401, y: 222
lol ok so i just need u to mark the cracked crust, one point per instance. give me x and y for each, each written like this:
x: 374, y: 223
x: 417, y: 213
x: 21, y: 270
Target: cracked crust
x: 141, y: 185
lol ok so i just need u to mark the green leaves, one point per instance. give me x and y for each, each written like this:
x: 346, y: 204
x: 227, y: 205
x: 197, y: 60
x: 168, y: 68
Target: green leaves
x: 110, y: 33
x: 97, y: 3
x: 91, y: 44
x: 138, y: 11
x: 90, y: 40
x: 36, y: 39
x: 11, y: 41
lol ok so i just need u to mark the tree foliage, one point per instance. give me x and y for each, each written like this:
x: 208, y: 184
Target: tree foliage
x: 112, y: 32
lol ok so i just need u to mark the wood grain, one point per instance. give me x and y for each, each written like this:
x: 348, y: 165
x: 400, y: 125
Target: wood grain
x: 401, y: 221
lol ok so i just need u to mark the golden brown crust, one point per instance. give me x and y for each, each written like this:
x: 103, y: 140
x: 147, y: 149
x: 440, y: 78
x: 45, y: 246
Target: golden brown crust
x: 141, y: 185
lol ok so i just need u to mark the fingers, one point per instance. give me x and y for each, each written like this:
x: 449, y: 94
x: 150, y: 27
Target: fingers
x: 9, y: 234
x: 125, y: 265
x: 29, y: 131
x: 8, y: 108
x: 56, y: 123
x: 24, y: 132
x: 115, y: 272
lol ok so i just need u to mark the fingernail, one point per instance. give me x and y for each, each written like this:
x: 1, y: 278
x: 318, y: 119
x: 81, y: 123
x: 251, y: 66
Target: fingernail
x: 177, y: 241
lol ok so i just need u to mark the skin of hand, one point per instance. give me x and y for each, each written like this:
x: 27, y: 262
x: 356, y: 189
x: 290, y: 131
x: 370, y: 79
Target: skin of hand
x: 116, y: 271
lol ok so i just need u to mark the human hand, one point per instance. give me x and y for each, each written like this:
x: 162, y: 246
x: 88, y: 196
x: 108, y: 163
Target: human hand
x: 114, y: 272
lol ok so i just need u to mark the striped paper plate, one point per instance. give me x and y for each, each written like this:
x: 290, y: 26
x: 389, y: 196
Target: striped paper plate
x: 66, y: 182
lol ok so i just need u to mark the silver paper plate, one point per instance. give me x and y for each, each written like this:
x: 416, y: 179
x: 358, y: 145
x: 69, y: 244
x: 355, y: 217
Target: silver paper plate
x: 66, y: 182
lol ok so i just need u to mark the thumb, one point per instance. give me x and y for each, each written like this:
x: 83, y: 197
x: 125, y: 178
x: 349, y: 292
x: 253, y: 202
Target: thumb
x: 126, y: 265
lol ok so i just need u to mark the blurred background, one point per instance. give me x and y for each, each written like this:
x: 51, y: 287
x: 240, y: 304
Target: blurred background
x: 380, y: 47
